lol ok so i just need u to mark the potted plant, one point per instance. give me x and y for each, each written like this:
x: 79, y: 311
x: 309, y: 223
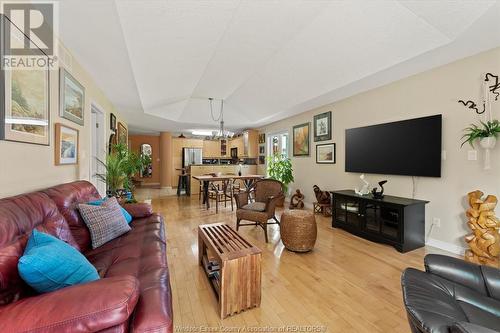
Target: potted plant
x: 121, y: 165
x: 114, y: 176
x: 279, y: 167
x: 487, y: 134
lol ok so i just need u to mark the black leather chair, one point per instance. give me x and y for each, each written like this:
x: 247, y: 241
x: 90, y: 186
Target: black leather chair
x: 452, y: 295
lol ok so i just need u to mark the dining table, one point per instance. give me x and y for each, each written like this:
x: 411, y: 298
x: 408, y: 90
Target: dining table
x: 248, y: 181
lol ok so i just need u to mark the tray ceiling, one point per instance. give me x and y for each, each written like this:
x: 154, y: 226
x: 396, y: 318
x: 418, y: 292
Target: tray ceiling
x: 159, y: 60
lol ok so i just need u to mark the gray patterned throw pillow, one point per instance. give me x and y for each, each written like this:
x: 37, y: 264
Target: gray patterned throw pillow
x: 105, y: 222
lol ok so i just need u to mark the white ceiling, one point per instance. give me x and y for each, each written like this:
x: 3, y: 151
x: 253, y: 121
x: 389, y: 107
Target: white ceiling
x: 159, y: 60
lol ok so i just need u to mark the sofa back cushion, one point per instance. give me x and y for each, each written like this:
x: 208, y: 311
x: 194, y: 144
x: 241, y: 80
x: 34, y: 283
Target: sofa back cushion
x: 18, y: 217
x: 67, y: 197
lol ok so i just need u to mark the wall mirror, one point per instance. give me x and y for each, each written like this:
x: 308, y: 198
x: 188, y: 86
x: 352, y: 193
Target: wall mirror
x: 147, y: 150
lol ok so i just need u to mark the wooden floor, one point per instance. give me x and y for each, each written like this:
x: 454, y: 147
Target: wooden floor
x: 346, y: 284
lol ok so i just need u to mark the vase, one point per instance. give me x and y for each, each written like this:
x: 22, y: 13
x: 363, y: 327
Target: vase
x: 487, y: 144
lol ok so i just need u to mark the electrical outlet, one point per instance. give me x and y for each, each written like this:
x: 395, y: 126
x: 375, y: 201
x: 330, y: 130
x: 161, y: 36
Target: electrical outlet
x: 436, y: 222
x: 472, y: 155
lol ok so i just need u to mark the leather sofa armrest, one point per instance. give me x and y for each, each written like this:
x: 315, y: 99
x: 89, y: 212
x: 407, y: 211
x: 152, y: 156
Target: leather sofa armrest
x: 241, y: 199
x: 465, y: 327
x: 88, y: 307
x: 456, y: 270
x: 138, y: 210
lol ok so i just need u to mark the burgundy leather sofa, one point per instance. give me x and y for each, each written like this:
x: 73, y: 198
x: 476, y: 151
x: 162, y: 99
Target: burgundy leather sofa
x: 133, y: 294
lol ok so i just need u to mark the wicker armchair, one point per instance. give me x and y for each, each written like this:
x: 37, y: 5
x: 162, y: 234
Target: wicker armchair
x: 266, y: 192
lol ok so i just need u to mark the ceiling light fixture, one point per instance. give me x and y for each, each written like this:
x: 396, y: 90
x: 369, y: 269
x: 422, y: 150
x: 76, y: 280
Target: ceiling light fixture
x: 220, y: 118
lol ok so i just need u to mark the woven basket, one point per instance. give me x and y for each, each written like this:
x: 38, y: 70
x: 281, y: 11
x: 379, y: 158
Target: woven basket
x: 298, y: 230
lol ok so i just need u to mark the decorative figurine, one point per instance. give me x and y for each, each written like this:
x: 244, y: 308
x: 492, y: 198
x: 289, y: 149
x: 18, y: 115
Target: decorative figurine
x: 484, y: 241
x: 365, y: 189
x: 297, y: 200
x: 323, y: 197
x: 379, y: 194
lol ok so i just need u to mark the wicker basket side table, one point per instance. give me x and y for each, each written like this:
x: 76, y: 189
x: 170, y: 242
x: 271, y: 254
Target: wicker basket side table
x: 298, y: 230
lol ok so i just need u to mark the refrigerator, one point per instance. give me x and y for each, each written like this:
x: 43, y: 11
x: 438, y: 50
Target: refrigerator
x: 191, y: 156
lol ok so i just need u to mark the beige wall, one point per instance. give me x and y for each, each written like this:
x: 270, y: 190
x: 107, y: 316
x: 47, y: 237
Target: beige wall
x: 27, y: 167
x: 428, y: 93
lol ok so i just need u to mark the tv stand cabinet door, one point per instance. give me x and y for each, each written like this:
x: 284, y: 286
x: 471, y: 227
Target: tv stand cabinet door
x: 347, y: 211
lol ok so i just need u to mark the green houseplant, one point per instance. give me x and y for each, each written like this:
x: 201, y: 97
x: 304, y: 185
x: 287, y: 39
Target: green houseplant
x: 487, y: 133
x: 120, y: 167
x: 279, y: 167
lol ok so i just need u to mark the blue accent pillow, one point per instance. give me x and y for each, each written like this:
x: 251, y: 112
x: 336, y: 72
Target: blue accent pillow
x: 99, y: 202
x: 49, y: 264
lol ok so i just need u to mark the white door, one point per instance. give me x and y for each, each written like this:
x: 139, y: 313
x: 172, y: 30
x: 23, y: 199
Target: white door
x: 98, y: 149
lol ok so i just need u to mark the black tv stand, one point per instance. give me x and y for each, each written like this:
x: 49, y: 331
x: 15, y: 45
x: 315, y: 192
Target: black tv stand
x: 396, y: 221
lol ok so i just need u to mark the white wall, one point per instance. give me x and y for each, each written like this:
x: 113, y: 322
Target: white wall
x: 432, y: 92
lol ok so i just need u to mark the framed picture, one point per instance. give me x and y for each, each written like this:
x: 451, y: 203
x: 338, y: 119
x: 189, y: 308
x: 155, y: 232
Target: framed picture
x: 301, y: 139
x: 325, y: 153
x: 24, y: 100
x: 66, y: 147
x: 122, y: 134
x: 112, y: 142
x: 262, y: 138
x: 262, y: 150
x: 71, y: 98
x: 262, y: 160
x: 323, y: 126
x: 112, y: 122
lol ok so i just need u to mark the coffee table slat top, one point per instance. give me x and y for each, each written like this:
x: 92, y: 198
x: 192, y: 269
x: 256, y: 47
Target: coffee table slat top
x: 226, y: 243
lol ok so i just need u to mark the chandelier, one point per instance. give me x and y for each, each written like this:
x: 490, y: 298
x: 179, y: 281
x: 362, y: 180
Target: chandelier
x: 221, y: 133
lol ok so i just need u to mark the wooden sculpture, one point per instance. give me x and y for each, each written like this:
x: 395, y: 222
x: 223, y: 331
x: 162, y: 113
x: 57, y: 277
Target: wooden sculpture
x: 323, y: 197
x: 484, y: 242
x: 297, y: 200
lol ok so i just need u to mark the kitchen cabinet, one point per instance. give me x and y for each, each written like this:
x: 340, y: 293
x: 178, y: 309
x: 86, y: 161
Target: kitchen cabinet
x: 247, y: 144
x: 211, y: 148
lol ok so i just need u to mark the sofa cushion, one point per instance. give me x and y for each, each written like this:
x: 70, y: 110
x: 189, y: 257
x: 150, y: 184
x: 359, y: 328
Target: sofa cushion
x: 255, y: 206
x: 19, y: 215
x: 67, y: 197
x: 49, y: 264
x: 105, y: 222
x: 141, y: 253
x: 125, y: 213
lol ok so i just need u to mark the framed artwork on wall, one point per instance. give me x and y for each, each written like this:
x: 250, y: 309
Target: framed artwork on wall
x: 262, y: 138
x: 325, y: 153
x: 66, y: 145
x: 323, y: 126
x: 24, y: 99
x: 262, y: 160
x: 301, y: 139
x: 122, y: 134
x: 71, y: 98
x: 262, y: 150
x: 112, y: 122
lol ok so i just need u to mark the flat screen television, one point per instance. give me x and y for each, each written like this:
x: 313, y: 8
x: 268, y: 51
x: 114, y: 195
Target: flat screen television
x: 409, y: 147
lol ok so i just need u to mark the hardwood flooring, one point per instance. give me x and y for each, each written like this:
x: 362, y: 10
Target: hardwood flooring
x: 346, y: 284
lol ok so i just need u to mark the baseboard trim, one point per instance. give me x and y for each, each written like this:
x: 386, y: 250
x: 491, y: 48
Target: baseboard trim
x: 456, y: 249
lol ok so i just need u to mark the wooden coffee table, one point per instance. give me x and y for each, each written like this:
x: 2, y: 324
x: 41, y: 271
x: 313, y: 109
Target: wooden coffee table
x: 233, y: 267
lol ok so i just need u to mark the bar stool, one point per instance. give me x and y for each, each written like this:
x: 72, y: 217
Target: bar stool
x: 183, y: 184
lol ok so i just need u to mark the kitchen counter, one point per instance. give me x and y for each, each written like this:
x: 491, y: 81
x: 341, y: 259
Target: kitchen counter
x: 198, y: 170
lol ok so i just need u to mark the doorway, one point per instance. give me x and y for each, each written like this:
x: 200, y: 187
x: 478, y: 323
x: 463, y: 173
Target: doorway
x: 98, y: 152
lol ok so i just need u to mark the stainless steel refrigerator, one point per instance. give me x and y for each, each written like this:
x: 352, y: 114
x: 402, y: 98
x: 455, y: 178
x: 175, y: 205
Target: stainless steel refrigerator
x: 191, y: 156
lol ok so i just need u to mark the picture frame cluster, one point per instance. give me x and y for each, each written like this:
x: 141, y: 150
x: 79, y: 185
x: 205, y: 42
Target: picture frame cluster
x: 322, y: 131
